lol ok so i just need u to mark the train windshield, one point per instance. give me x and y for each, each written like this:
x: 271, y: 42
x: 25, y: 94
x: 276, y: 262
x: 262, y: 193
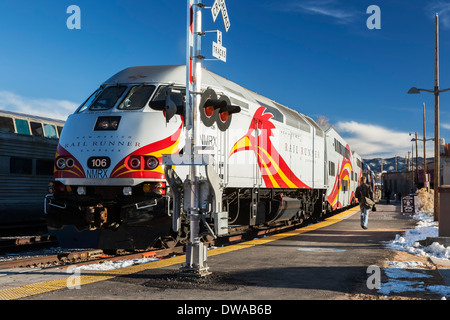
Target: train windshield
x: 137, y: 97
x: 108, y: 98
x: 103, y: 99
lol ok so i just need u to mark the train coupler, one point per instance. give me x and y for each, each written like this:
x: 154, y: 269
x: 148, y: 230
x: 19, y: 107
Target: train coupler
x: 96, y: 216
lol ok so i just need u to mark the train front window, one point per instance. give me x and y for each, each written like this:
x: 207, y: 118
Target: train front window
x: 137, y: 97
x: 177, y: 95
x: 108, y: 98
x: 89, y: 101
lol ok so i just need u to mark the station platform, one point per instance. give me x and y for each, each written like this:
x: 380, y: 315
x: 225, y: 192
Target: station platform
x: 331, y: 260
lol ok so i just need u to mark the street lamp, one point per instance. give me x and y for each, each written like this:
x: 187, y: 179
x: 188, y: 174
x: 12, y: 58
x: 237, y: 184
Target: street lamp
x: 436, y: 91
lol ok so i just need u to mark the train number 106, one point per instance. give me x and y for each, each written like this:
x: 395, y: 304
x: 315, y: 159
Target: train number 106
x: 99, y: 162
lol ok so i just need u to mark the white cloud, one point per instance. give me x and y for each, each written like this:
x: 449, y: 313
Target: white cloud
x: 372, y: 141
x: 50, y: 108
x: 442, y: 8
x: 329, y: 8
x: 445, y: 126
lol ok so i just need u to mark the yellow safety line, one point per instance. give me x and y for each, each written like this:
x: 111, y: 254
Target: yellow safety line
x: 38, y: 288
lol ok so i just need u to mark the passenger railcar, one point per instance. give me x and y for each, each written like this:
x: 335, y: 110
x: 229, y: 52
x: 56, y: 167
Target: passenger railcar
x: 273, y: 163
x: 27, y: 150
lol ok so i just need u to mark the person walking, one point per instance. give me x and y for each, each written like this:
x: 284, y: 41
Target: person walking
x: 364, y: 194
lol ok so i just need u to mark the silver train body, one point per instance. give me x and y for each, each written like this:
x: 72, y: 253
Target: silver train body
x: 27, y: 149
x: 275, y: 165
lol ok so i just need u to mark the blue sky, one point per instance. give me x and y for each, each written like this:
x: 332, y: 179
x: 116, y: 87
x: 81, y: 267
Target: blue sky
x: 317, y: 57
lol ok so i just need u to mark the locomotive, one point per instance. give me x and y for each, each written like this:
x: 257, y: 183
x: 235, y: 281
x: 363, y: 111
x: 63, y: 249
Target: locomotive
x: 274, y: 165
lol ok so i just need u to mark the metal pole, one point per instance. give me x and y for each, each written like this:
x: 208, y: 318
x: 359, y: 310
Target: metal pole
x: 195, y: 250
x: 417, y: 161
x: 424, y: 151
x: 437, y: 168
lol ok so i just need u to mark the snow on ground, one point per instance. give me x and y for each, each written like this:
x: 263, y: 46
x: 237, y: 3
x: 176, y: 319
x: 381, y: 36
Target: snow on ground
x: 425, y: 228
x: 410, y: 275
x: 111, y: 265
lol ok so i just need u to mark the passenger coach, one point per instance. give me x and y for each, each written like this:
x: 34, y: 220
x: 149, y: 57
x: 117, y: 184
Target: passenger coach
x: 27, y: 151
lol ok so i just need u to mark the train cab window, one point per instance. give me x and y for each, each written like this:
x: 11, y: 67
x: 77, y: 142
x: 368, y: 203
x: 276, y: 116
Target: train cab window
x: 89, y: 101
x: 108, y: 98
x: 50, y: 131
x: 22, y: 126
x: 36, y: 129
x: 137, y: 97
x: 177, y: 95
x: 6, y: 125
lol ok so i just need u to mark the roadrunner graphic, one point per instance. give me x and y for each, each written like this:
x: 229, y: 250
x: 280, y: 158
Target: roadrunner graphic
x: 274, y: 170
x: 343, y: 175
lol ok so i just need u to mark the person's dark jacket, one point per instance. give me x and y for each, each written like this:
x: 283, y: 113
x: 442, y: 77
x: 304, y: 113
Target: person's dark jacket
x: 362, y: 191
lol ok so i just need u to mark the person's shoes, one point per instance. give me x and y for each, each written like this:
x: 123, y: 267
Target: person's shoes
x: 364, y: 227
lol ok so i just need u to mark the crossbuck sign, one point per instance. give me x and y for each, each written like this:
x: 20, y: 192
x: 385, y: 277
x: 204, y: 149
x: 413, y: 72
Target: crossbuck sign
x: 219, y: 51
x: 217, y: 7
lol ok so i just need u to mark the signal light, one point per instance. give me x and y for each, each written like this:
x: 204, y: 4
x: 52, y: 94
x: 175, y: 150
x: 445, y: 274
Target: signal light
x: 208, y: 107
x: 214, y: 109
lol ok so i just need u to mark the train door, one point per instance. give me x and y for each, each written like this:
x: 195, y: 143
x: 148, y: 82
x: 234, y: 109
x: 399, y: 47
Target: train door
x: 257, y: 175
x: 222, y: 144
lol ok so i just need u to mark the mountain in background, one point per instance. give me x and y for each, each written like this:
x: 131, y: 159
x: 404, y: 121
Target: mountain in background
x: 389, y: 164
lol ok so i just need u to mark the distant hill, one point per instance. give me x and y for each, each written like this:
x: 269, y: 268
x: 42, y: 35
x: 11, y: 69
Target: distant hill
x: 389, y: 163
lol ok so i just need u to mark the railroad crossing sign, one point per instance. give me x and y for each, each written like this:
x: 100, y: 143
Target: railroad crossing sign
x: 219, y: 51
x: 219, y: 6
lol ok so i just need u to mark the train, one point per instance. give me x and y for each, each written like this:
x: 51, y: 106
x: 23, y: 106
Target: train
x: 274, y: 165
x: 27, y: 151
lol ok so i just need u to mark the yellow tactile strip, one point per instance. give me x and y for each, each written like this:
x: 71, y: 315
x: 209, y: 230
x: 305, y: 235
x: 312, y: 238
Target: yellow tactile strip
x: 38, y: 288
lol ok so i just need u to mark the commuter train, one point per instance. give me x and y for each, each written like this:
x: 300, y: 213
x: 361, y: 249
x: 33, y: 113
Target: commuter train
x: 27, y: 151
x: 274, y: 165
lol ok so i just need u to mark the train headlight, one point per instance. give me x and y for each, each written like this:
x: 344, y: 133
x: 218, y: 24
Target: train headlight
x: 81, y: 191
x: 127, y: 191
x: 152, y: 163
x: 61, y: 163
x: 70, y: 163
x: 107, y: 123
x: 135, y: 163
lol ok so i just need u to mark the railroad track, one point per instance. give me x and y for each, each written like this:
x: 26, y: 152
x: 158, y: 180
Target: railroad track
x: 22, y: 244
